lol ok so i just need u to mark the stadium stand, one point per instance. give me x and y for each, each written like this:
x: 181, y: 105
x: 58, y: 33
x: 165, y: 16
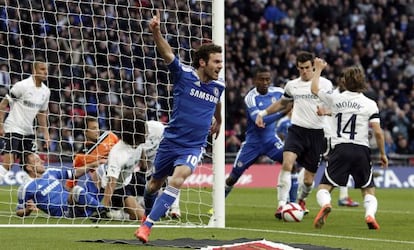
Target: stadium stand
x: 378, y: 35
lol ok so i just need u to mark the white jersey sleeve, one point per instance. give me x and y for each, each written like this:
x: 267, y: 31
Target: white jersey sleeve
x: 154, y: 137
x: 26, y: 101
x: 122, y: 160
x: 305, y: 103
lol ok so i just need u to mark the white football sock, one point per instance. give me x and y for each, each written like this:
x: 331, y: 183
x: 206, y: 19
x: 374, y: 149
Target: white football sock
x: 370, y: 205
x: 343, y: 193
x: 323, y: 197
x: 176, y: 203
x: 304, y: 191
x: 283, y: 187
x: 3, y: 172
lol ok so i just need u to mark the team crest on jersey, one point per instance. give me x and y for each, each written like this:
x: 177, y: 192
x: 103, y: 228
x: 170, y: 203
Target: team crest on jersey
x: 216, y: 92
x: 239, y: 164
x: 273, y: 99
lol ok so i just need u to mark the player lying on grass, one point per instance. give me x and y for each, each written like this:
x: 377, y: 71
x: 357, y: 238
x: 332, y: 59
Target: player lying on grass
x: 44, y: 191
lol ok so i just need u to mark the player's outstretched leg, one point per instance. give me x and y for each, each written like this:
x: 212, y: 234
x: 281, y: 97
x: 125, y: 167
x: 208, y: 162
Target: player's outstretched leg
x: 283, y: 188
x: 320, y: 219
x: 371, y: 205
x: 323, y: 197
x: 143, y: 233
x: 175, y: 211
x: 372, y: 223
x: 344, y: 199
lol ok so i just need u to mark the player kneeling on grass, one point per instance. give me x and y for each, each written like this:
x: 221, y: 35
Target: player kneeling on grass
x: 119, y: 192
x: 352, y: 114
x: 44, y: 191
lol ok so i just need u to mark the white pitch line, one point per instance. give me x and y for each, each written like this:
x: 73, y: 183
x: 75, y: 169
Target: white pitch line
x: 323, y: 235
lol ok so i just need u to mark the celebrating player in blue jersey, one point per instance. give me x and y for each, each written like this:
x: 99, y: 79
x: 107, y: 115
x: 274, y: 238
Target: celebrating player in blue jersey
x: 259, y: 141
x: 197, y: 91
x: 47, y: 192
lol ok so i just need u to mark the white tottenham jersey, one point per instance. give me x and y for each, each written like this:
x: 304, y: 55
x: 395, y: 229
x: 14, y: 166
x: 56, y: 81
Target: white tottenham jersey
x: 351, y: 113
x: 153, y: 139
x: 305, y: 103
x: 329, y: 129
x: 26, y: 101
x: 122, y: 160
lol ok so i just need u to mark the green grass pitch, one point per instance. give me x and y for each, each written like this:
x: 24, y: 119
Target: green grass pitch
x: 249, y: 213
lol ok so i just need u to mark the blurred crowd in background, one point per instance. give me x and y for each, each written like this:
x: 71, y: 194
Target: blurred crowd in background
x: 377, y: 35
x: 101, y: 55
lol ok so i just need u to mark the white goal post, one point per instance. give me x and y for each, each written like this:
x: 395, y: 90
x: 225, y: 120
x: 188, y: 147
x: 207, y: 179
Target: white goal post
x: 101, y: 57
x: 218, y: 218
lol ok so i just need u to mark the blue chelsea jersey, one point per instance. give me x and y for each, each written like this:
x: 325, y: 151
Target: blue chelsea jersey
x: 47, y: 192
x: 256, y: 102
x: 194, y: 106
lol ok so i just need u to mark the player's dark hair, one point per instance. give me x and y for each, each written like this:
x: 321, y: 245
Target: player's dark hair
x: 132, y: 128
x: 204, y: 53
x: 260, y: 69
x: 354, y: 79
x: 25, y: 161
x: 304, y: 56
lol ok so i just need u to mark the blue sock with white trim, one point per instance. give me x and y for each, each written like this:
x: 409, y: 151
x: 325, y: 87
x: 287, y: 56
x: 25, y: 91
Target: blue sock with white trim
x: 162, y: 204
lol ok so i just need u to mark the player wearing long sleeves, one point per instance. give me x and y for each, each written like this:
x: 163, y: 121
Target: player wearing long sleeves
x: 96, y: 147
x: 46, y: 192
x: 259, y: 141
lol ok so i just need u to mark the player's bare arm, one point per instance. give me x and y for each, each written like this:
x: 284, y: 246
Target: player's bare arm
x: 109, y: 191
x: 78, y: 172
x: 319, y: 65
x: 321, y: 111
x: 287, y: 108
x: 215, y: 127
x: 163, y: 47
x: 42, y: 119
x: 144, y: 163
x: 3, y: 106
x: 30, y: 207
x: 379, y: 137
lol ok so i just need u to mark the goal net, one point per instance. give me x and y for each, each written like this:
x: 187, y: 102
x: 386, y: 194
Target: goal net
x: 101, y: 57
